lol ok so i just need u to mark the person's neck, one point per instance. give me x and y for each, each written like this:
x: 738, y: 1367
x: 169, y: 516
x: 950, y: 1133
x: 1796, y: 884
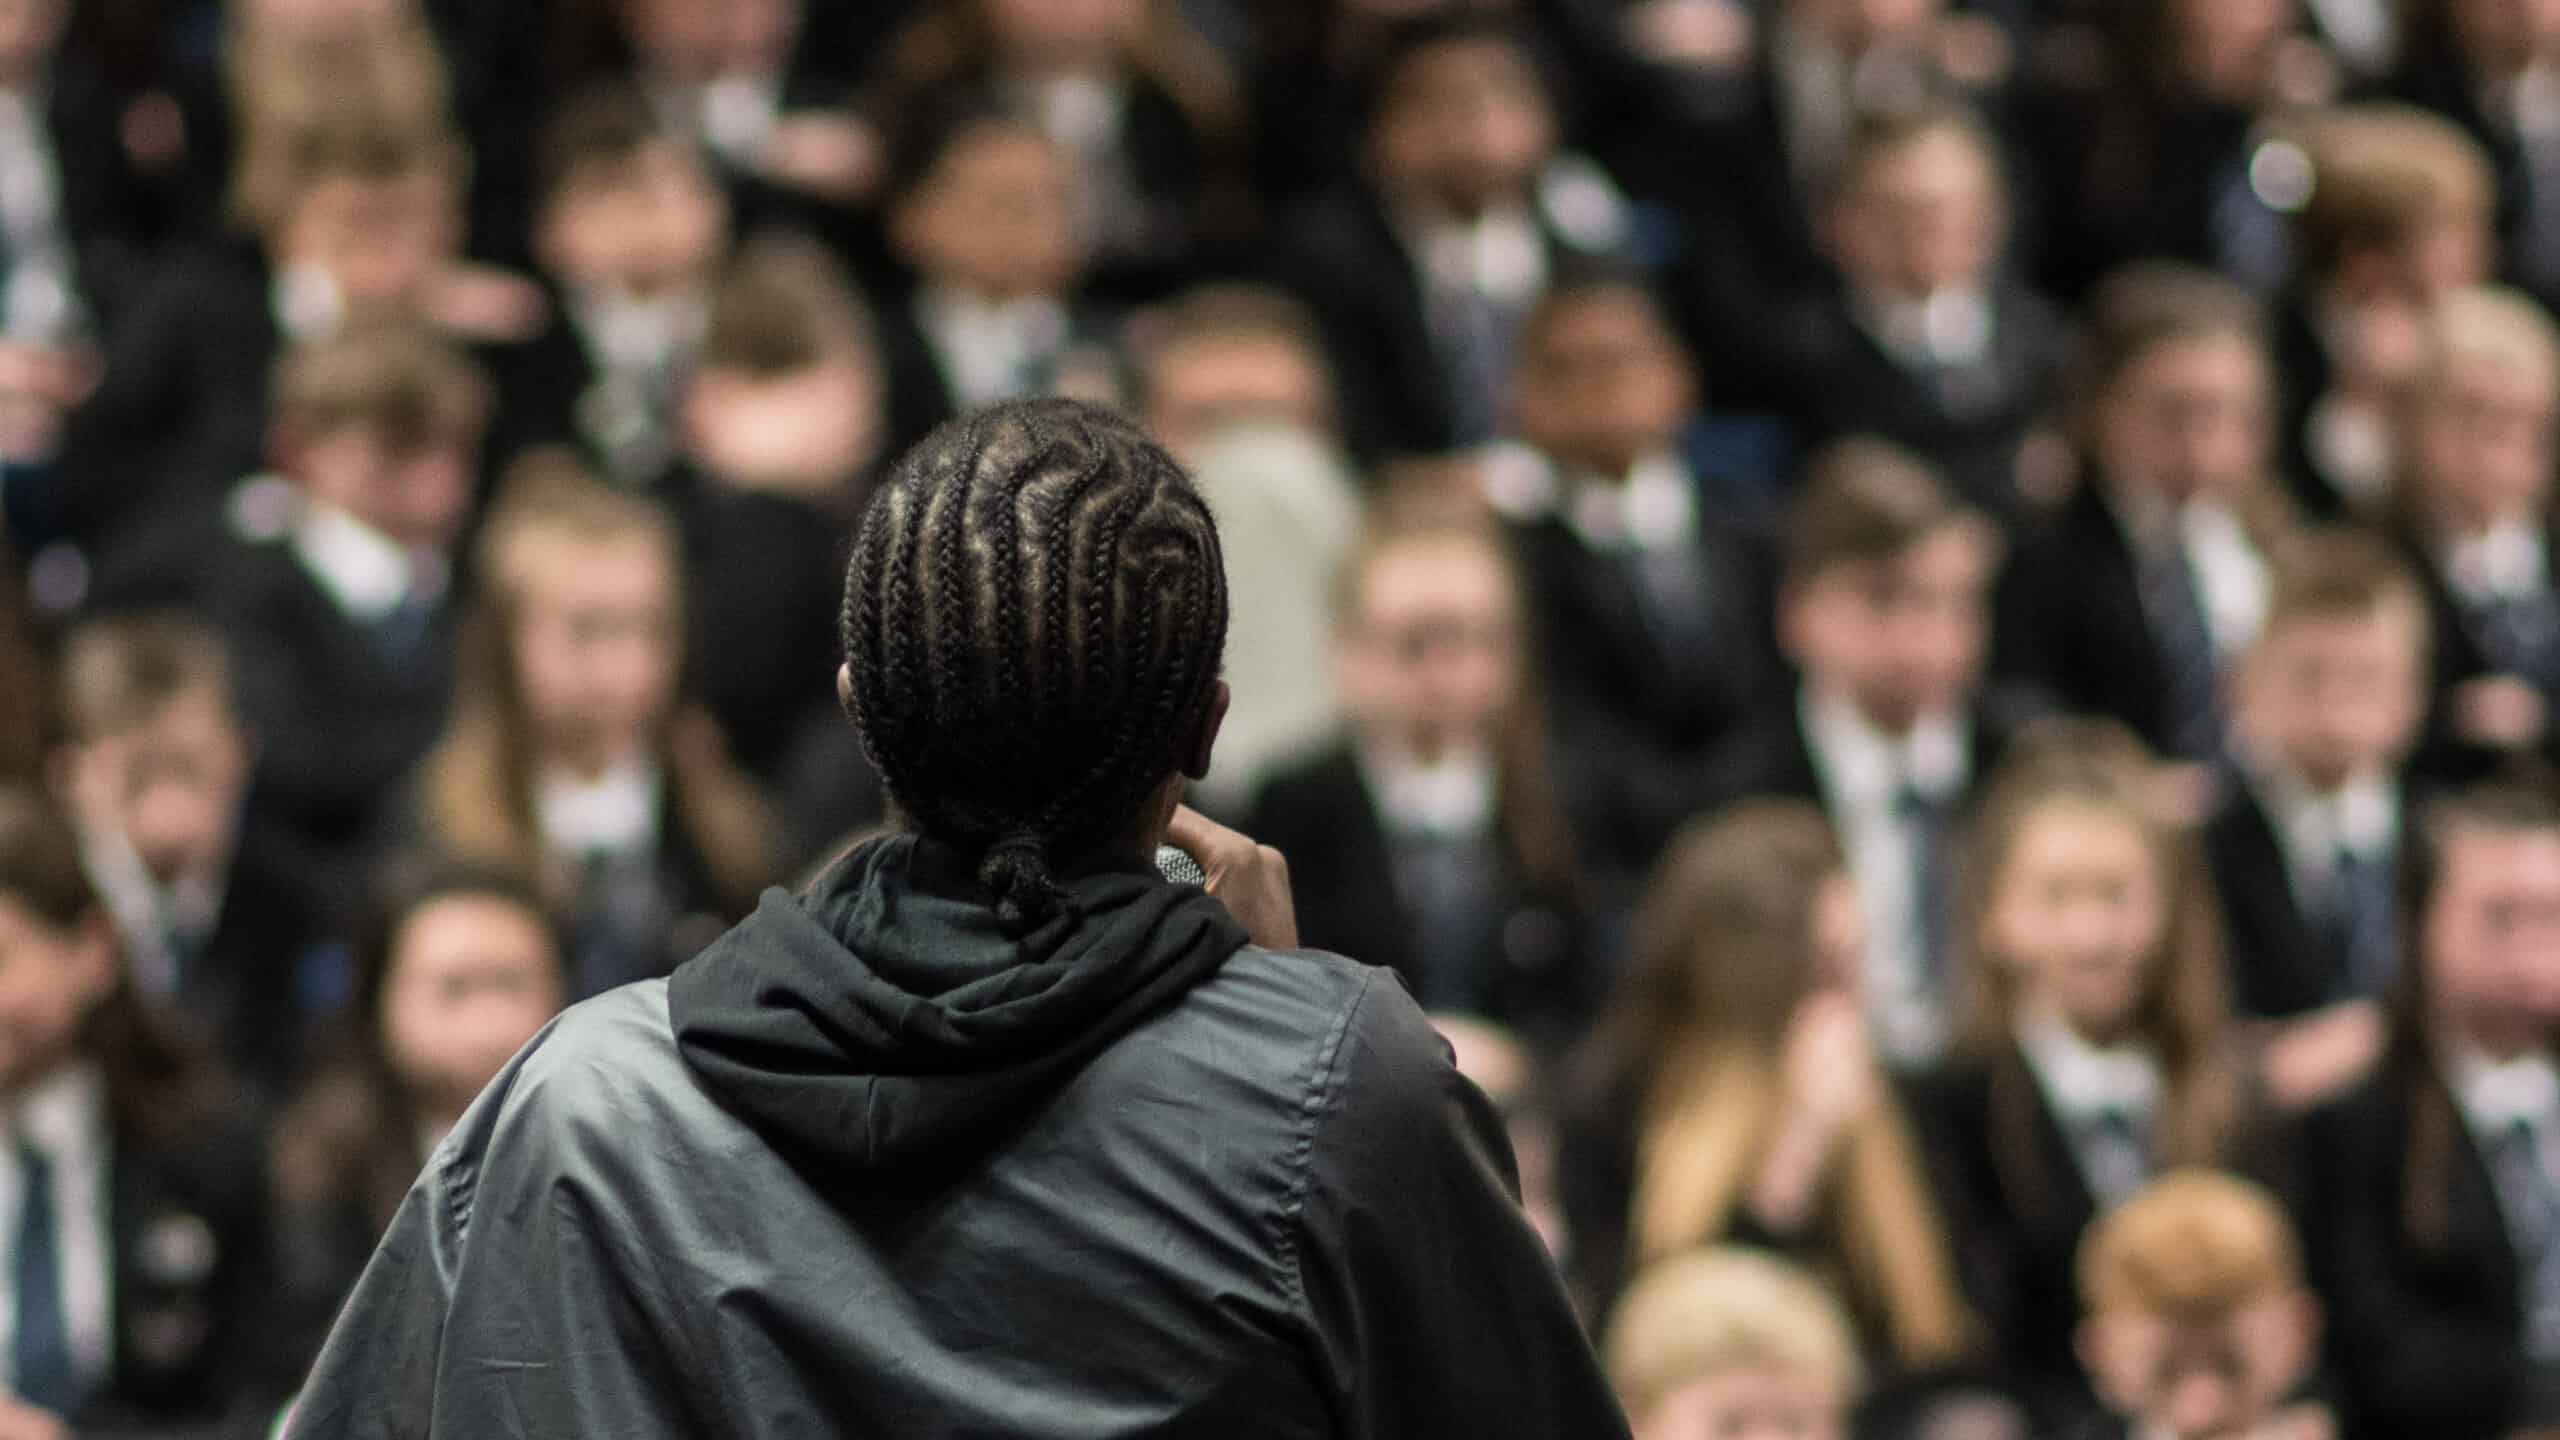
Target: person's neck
x: 1613, y: 467
x: 2456, y: 521
x: 1892, y: 723
x: 2501, y: 1040
x: 589, y: 761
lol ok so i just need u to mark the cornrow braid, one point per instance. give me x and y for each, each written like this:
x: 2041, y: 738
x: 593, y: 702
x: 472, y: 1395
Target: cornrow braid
x: 1034, y: 618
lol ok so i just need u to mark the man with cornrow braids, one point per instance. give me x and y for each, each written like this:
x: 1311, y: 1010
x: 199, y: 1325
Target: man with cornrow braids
x: 992, y: 1131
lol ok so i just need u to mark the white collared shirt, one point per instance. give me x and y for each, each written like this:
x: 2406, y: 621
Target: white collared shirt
x: 42, y: 299
x: 1863, y: 773
x: 991, y: 350
x: 2231, y: 574
x: 64, y: 1115
x: 1953, y: 328
x: 146, y: 912
x: 616, y: 813
x: 2361, y: 818
x: 636, y: 339
x: 1655, y: 508
x: 306, y: 302
x: 1499, y: 255
x: 2495, y: 1097
x: 2083, y: 1084
x: 1451, y: 798
x: 2508, y: 561
x: 366, y: 573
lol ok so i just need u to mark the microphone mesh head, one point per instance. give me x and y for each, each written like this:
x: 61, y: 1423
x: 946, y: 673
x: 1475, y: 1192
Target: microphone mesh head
x: 1175, y: 864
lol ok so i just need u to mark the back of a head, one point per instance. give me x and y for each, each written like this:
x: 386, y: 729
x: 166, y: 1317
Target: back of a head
x: 1716, y: 1311
x: 1034, y: 620
x: 2194, y: 1246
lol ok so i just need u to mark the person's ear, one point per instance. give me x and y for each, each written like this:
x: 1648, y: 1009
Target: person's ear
x: 1197, y: 753
x: 96, y: 957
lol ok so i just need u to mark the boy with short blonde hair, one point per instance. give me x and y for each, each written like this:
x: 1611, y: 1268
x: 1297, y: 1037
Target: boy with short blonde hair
x: 1723, y: 1341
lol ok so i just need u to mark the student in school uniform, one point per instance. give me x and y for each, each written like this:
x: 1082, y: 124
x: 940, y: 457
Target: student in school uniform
x: 1424, y: 267
x: 980, y: 214
x: 2094, y: 1052
x: 2305, y: 842
x: 340, y: 607
x: 154, y: 767
x: 2401, y: 213
x: 2132, y: 599
x: 1927, y: 339
x: 1427, y: 832
x: 2476, y: 519
x: 130, y: 1207
x: 2486, y: 65
x: 1649, y: 610
x: 631, y: 230
x: 2431, y: 1210
x: 1729, y: 1342
x: 573, y: 754
x: 2200, y: 1323
x: 1885, y: 610
x: 1732, y: 1095
x: 457, y: 972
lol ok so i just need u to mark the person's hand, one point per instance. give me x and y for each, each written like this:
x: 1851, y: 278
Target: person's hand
x: 2321, y: 1055
x: 2499, y: 711
x: 21, y: 1421
x: 1252, y: 879
x: 1829, y: 1065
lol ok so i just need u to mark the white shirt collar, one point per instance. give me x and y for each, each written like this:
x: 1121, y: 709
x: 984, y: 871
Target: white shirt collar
x: 2231, y: 574
x: 1500, y: 254
x: 635, y: 335
x: 2508, y: 561
x: 306, y: 302
x: 2362, y: 817
x: 989, y: 347
x: 1655, y: 508
x: 1452, y: 798
x: 146, y: 912
x: 1863, y: 767
x: 614, y: 814
x: 1952, y: 328
x: 2494, y: 1097
x: 2082, y: 1081
x: 365, y: 572
x: 64, y: 1114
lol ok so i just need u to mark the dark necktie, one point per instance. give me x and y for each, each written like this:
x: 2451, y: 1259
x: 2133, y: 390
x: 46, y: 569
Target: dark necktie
x: 2114, y: 1154
x: 1474, y: 331
x: 2522, y: 635
x: 1670, y: 583
x: 2191, y: 670
x: 40, y: 1350
x: 2531, y: 1202
x: 1448, y: 898
x: 1926, y: 821
x: 401, y: 634
x: 2361, y: 923
x: 2536, y: 242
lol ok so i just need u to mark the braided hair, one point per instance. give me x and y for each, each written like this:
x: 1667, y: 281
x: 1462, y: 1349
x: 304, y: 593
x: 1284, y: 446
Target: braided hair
x: 1033, y: 618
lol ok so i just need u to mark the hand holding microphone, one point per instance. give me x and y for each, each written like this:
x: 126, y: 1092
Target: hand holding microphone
x: 1252, y: 879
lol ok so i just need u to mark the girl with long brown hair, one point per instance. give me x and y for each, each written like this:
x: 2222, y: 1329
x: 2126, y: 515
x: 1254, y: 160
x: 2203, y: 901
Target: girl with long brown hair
x: 572, y: 755
x: 2094, y: 1049
x: 1731, y: 1094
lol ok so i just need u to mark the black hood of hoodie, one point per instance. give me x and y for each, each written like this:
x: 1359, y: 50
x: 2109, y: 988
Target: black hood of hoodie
x: 885, y: 1017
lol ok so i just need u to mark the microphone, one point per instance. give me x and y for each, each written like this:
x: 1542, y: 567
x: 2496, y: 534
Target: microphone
x: 1175, y: 864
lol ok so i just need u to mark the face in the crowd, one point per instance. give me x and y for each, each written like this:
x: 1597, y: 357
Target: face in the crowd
x: 1202, y: 386
x: 171, y: 786
x: 1923, y: 217
x: 51, y: 978
x: 1902, y: 637
x: 996, y: 216
x: 694, y: 41
x: 649, y: 225
x: 2336, y: 697
x: 2499, y: 36
x: 2480, y: 439
x: 1747, y: 1403
x: 1467, y: 127
x: 596, y: 645
x: 1429, y: 656
x: 813, y: 428
x: 2203, y: 1381
x: 2187, y: 420
x: 2490, y: 936
x: 2079, y: 914
x: 1049, y: 35
x: 379, y: 240
x: 1602, y: 383
x: 1858, y: 26
x: 28, y: 32
x: 472, y: 978
x: 416, y: 494
x: 2224, y: 46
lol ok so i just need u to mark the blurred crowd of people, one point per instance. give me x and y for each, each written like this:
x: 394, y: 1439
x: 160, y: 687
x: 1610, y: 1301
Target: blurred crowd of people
x: 1932, y: 626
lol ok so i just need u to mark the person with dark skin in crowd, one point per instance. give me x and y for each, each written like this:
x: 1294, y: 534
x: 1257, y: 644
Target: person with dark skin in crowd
x: 992, y: 1130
